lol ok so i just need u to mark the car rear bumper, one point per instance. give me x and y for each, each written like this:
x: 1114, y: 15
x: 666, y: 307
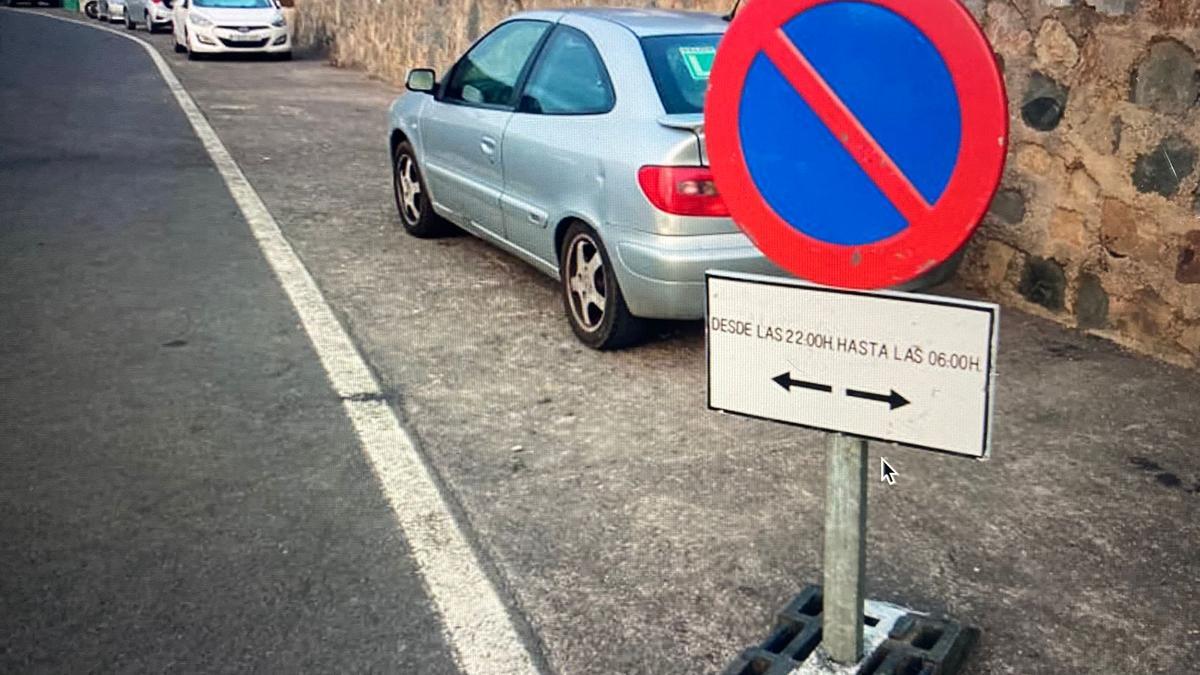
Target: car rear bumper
x: 116, y: 11
x: 662, y: 277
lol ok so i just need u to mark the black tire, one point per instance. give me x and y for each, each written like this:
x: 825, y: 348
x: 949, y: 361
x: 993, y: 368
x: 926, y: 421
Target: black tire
x: 179, y: 49
x: 150, y: 26
x: 129, y: 24
x: 611, y: 326
x: 417, y: 217
x: 89, y: 9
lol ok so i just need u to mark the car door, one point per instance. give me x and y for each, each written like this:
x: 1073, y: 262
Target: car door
x: 462, y: 131
x: 551, y: 166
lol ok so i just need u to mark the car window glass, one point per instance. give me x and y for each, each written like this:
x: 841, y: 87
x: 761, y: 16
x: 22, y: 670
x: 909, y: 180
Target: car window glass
x: 489, y: 72
x: 681, y: 65
x: 569, y: 78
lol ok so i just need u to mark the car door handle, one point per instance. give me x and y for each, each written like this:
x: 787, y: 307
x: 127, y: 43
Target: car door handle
x: 488, y: 145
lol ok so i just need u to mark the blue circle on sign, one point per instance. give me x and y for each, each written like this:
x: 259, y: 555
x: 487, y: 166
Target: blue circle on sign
x: 906, y: 101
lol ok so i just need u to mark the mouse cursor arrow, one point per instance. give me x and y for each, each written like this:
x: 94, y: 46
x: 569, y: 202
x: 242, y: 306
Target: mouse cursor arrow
x: 886, y: 473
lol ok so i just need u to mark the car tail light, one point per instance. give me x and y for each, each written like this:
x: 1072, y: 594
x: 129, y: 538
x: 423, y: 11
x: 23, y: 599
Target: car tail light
x: 682, y: 190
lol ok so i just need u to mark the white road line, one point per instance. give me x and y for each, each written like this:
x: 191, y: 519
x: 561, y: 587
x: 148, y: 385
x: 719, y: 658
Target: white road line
x: 475, y: 621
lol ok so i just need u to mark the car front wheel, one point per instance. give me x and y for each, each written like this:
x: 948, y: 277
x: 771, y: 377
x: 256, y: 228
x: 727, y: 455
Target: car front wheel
x: 591, y: 295
x: 412, y: 197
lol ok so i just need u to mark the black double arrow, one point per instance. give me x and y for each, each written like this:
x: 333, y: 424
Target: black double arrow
x: 892, y: 398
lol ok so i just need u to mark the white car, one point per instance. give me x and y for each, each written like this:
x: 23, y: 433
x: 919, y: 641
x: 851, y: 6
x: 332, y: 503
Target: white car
x: 231, y: 27
x: 154, y: 14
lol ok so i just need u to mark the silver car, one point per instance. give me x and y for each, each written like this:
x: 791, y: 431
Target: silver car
x: 112, y: 11
x: 574, y: 139
x: 156, y: 15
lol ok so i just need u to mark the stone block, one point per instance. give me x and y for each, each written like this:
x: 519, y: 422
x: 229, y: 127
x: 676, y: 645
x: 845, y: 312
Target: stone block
x: 1187, y: 271
x: 994, y: 262
x: 1055, y: 48
x: 1165, y: 79
x: 1043, y: 282
x: 1009, y: 206
x: 1035, y: 161
x: 1147, y: 313
x: 1120, y: 232
x: 1066, y: 232
x: 1007, y: 29
x: 1091, y: 302
x: 1165, y: 167
x: 1044, y: 102
x: 1084, y: 189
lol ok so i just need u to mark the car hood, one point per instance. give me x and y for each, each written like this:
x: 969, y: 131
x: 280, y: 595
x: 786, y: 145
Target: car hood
x: 233, y: 16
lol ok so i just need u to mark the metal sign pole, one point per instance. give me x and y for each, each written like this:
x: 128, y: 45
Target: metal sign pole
x: 845, y: 548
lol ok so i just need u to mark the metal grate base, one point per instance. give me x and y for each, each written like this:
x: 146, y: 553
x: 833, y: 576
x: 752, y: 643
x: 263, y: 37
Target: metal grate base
x: 896, y: 641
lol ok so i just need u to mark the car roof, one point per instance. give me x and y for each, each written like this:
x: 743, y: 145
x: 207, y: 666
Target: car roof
x: 648, y: 22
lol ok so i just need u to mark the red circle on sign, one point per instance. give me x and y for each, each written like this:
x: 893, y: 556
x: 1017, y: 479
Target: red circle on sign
x: 939, y: 229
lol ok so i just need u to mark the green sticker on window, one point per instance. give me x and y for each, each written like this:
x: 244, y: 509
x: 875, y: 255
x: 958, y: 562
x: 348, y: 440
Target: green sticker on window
x: 699, y: 61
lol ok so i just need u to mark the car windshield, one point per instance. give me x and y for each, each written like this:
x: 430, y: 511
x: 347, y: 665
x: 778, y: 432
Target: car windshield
x: 233, y: 4
x: 680, y: 65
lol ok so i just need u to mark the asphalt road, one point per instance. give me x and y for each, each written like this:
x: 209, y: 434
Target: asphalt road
x: 634, y: 531
x: 179, y: 487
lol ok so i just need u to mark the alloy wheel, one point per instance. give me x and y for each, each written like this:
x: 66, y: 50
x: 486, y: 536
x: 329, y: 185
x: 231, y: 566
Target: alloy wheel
x: 409, y: 183
x: 586, y: 284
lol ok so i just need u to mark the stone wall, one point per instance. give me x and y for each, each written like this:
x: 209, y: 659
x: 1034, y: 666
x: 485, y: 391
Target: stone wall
x: 1097, y: 224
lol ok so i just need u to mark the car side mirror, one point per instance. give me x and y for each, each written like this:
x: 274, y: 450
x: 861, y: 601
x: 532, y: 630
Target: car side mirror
x: 421, y: 79
x: 530, y: 104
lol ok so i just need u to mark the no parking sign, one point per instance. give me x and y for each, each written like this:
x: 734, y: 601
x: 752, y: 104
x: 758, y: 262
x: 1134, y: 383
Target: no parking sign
x: 857, y: 143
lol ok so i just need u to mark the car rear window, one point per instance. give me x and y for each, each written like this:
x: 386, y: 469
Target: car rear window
x: 680, y: 65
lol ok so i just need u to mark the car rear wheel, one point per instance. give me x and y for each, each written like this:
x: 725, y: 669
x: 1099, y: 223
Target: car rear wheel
x: 90, y: 9
x: 412, y: 197
x: 591, y: 295
x: 129, y: 24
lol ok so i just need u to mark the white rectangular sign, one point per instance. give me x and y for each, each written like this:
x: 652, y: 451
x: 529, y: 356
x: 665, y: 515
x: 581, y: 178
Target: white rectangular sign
x: 898, y: 367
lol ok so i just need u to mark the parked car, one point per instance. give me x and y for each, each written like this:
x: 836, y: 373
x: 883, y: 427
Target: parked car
x: 231, y: 26
x: 155, y: 15
x: 574, y: 140
x: 110, y: 10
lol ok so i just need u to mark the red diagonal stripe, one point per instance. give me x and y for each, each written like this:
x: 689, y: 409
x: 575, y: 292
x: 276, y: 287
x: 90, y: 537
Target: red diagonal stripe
x: 830, y: 109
